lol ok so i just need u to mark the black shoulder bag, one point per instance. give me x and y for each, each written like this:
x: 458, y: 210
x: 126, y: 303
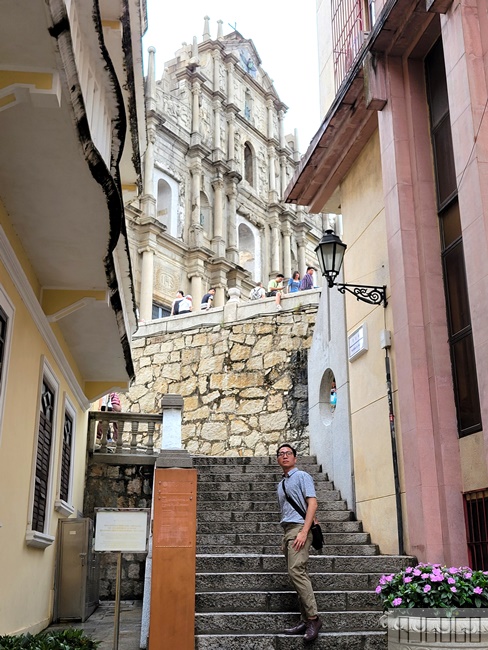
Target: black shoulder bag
x: 317, y: 535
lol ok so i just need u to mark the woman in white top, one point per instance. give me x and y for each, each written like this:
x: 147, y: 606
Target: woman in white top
x: 185, y: 305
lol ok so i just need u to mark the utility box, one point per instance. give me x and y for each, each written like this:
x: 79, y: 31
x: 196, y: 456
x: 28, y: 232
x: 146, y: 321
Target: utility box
x: 76, y: 589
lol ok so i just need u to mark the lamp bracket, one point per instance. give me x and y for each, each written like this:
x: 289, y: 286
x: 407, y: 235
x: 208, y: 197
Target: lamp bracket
x: 365, y: 292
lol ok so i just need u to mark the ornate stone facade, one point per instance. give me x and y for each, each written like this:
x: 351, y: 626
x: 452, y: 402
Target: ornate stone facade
x: 216, y: 167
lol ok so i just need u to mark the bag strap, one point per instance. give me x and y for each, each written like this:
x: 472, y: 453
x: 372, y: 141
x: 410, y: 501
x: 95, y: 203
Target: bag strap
x: 292, y: 502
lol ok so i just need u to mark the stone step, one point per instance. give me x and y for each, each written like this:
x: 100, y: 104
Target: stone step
x: 227, y: 516
x: 266, y: 622
x: 257, y: 506
x: 325, y: 641
x: 205, y: 487
x: 256, y: 494
x: 329, y: 549
x: 270, y: 539
x: 239, y: 461
x: 240, y: 527
x: 353, y: 563
x: 238, y: 476
x: 280, y: 581
x: 284, y: 601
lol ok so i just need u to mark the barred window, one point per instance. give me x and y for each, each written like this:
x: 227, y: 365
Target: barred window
x: 351, y: 20
x: 66, y: 457
x: 475, y: 510
x: 43, y: 457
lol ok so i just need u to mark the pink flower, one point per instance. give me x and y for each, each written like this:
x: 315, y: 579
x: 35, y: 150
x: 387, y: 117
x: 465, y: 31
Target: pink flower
x: 451, y: 581
x: 425, y: 576
x: 477, y: 590
x: 453, y: 570
x: 417, y: 572
x: 378, y: 589
x: 453, y: 589
x: 408, y: 569
x: 388, y: 578
x: 407, y: 579
x: 427, y: 588
x: 468, y: 575
x: 396, y: 602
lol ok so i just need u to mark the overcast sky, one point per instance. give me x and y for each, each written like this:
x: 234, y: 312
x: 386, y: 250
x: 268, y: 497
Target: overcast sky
x: 284, y: 33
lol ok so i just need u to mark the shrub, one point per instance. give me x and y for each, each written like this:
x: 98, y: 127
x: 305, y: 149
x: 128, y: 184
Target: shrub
x: 70, y: 639
x: 430, y: 586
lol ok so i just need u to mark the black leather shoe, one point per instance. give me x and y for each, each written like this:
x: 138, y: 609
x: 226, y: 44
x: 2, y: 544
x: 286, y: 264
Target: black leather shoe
x: 298, y: 629
x: 313, y: 627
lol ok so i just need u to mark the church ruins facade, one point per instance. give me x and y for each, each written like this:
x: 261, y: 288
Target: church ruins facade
x: 216, y: 167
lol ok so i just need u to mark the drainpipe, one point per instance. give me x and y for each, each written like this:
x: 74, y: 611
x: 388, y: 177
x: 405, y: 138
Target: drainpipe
x: 385, y: 344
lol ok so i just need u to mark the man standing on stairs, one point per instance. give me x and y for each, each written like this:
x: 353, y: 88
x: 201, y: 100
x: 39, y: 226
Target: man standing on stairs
x: 298, y: 486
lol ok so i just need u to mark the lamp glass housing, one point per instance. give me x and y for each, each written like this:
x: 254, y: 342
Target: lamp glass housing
x: 330, y: 252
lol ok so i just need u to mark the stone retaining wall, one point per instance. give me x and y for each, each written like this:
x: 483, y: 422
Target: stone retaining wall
x: 243, y: 380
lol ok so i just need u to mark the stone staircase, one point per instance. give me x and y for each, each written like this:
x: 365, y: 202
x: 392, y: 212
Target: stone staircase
x: 244, y: 598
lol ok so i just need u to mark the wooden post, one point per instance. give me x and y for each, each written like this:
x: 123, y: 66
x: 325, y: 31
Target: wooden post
x: 172, y: 612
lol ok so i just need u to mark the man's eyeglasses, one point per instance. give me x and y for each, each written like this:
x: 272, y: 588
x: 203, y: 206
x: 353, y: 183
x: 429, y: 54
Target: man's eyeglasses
x: 285, y: 453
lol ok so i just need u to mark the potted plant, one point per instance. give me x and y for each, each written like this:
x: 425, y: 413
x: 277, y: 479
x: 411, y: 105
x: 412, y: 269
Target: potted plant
x: 429, y: 605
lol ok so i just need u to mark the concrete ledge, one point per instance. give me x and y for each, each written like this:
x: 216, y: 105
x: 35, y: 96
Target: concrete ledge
x: 230, y: 313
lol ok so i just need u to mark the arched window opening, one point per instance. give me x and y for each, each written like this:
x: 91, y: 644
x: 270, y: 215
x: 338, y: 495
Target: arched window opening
x: 248, y: 164
x: 163, y: 209
x: 247, y: 249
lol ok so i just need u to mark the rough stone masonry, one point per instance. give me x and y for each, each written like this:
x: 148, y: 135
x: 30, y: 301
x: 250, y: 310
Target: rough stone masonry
x: 243, y: 381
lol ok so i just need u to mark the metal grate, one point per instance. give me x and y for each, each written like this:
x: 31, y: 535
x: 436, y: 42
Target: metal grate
x: 66, y: 457
x: 43, y: 458
x: 348, y: 31
x: 476, y: 517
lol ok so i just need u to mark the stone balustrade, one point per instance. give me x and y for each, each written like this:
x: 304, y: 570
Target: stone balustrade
x: 138, y: 433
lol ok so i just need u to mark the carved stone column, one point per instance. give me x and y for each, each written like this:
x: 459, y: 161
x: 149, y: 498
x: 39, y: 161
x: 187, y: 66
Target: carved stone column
x: 281, y: 117
x: 271, y: 170
x: 230, y: 83
x: 196, y: 230
x: 275, y: 245
x: 218, y: 218
x: 216, y: 133
x: 195, y: 121
x: 231, y: 125
x: 270, y: 107
x: 232, y: 252
x: 283, y: 179
x: 287, y: 250
x: 147, y: 281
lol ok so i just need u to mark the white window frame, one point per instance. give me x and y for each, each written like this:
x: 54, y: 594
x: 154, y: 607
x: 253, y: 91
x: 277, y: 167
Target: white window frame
x: 36, y: 538
x: 66, y: 508
x: 9, y: 310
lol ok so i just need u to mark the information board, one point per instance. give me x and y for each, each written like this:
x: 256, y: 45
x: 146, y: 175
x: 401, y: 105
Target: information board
x: 121, y: 530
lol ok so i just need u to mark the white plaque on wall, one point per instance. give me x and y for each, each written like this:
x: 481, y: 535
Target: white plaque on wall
x: 357, y: 342
x: 122, y: 530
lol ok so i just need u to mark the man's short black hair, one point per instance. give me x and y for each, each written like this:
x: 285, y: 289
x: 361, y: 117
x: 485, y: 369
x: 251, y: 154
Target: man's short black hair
x: 311, y: 267
x: 285, y: 444
x: 181, y: 291
x: 280, y: 275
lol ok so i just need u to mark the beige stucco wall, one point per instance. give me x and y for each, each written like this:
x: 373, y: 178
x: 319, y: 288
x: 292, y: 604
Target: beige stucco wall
x: 28, y: 573
x: 326, y: 60
x: 364, y: 230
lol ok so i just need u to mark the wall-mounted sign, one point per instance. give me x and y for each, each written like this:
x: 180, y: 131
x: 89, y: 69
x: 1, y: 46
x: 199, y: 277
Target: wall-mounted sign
x: 357, y: 342
x: 123, y: 530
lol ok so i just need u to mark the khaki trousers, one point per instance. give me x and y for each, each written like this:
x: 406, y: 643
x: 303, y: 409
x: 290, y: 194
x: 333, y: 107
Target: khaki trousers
x: 296, y: 562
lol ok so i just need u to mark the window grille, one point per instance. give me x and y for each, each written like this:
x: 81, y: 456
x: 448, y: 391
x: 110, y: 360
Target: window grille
x: 476, y: 517
x: 66, y: 457
x: 43, y: 457
x: 348, y: 31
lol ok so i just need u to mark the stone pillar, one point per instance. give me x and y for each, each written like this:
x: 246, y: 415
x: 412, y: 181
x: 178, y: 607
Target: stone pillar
x: 271, y: 169
x: 216, y: 133
x: 283, y: 179
x: 195, y: 121
x: 231, y: 124
x: 218, y: 218
x: 206, y: 28
x: 230, y: 83
x: 151, y: 80
x: 296, y: 150
x: 287, y: 251
x: 172, y: 406
x: 220, y: 31
x: 275, y: 245
x: 232, y: 253
x: 281, y: 116
x: 270, y: 107
x: 196, y: 290
x: 147, y: 280
x: 216, y: 70
x: 149, y: 162
x: 196, y: 230
x: 301, y: 257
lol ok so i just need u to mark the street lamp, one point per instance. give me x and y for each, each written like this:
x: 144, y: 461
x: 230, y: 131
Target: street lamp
x: 330, y: 252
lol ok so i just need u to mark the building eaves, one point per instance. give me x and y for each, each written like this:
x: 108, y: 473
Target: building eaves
x: 351, y: 120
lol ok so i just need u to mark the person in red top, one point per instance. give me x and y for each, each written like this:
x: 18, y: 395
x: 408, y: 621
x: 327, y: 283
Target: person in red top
x: 110, y: 402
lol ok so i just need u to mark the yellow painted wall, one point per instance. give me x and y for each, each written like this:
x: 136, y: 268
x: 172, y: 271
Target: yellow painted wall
x: 27, y: 574
x: 364, y: 230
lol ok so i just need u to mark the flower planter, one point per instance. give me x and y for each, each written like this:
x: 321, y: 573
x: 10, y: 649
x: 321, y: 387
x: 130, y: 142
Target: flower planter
x: 466, y: 631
